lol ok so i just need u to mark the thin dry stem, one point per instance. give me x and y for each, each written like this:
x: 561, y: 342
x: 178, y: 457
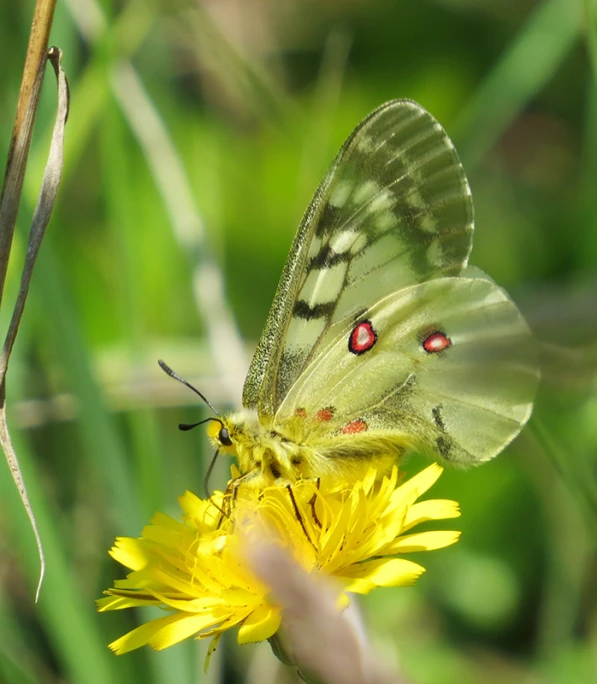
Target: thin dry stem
x: 41, y: 218
x: 20, y: 141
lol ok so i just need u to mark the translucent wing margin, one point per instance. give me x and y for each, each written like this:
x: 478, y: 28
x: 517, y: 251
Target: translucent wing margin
x: 394, y: 209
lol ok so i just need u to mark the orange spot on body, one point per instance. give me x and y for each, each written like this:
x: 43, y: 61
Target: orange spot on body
x: 325, y: 414
x: 301, y: 413
x: 354, y: 426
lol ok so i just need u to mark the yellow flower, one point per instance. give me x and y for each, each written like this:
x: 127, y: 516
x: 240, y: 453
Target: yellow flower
x: 196, y: 569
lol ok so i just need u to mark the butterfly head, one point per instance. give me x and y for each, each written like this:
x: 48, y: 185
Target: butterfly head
x: 222, y: 431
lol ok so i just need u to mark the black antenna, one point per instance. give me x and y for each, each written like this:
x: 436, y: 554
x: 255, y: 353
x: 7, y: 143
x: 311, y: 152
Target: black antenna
x: 189, y: 426
x: 174, y: 375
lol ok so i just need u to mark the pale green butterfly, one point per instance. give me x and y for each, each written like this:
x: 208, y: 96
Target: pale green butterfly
x: 380, y: 339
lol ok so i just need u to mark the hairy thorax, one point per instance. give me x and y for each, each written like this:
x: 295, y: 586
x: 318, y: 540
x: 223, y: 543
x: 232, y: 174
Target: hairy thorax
x: 264, y: 456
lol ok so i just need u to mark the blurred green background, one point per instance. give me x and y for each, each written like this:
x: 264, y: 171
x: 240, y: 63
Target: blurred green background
x: 198, y: 131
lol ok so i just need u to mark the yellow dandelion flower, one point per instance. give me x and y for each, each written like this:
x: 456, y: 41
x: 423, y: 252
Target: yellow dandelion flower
x: 197, y: 570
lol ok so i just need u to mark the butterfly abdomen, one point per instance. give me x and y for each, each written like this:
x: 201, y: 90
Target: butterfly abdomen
x: 266, y: 456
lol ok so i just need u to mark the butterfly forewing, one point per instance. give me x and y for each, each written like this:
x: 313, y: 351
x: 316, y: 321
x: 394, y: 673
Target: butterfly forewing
x: 394, y: 210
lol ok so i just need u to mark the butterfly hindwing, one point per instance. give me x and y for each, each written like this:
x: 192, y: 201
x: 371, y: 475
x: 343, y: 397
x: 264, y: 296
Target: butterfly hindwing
x: 394, y: 210
x: 449, y: 363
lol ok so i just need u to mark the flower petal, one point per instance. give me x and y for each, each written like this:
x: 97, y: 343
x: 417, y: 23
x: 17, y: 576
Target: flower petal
x: 369, y: 479
x: 120, y: 602
x: 185, y: 626
x: 201, y: 513
x: 163, y: 520
x: 434, y: 509
x: 263, y: 623
x: 132, y: 553
x: 359, y: 586
x: 423, y: 541
x: 420, y: 483
x: 141, y: 635
x: 392, y: 572
x: 204, y: 604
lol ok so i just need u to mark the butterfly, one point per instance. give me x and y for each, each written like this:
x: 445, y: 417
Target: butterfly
x: 380, y: 339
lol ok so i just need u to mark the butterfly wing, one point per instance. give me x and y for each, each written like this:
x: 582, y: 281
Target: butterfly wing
x: 447, y: 366
x: 394, y: 210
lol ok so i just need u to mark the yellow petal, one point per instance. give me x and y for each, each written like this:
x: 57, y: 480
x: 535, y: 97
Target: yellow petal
x: 120, y: 602
x: 392, y: 572
x: 141, y: 635
x: 201, y: 513
x: 163, y: 520
x: 135, y: 583
x: 231, y: 598
x: 435, y: 509
x: 192, y: 505
x: 420, y: 483
x: 187, y: 625
x: 369, y: 480
x: 202, y: 605
x: 359, y: 586
x: 167, y: 536
x: 132, y: 553
x: 423, y: 541
x: 263, y: 623
x: 208, y: 575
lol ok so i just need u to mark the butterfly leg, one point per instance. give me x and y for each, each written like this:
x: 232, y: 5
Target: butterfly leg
x: 298, y: 515
x: 231, y: 493
x: 312, y: 501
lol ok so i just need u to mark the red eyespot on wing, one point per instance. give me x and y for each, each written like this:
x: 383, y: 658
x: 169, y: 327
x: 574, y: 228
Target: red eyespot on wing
x: 325, y: 414
x: 362, y: 338
x: 436, y: 342
x: 354, y: 426
x: 301, y: 413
